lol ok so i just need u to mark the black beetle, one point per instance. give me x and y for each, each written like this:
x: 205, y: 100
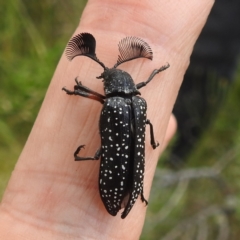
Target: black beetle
x: 122, y: 123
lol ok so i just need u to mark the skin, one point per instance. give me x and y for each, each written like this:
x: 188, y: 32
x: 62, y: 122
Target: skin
x: 50, y: 196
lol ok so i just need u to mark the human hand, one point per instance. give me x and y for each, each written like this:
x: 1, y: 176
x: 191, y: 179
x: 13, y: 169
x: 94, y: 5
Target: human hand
x: 50, y: 196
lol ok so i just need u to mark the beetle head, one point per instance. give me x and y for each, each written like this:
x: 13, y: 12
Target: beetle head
x: 118, y: 81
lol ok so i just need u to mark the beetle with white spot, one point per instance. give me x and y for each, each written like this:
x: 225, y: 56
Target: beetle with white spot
x: 122, y: 123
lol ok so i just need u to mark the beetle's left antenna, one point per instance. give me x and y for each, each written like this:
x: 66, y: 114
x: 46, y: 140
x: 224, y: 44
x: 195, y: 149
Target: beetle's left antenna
x: 132, y: 48
x: 83, y: 44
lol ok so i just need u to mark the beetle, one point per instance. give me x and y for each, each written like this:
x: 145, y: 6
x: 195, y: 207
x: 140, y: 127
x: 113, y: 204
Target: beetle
x: 122, y: 122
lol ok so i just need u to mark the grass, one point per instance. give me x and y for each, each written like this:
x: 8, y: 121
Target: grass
x: 208, y: 181
x: 33, y: 37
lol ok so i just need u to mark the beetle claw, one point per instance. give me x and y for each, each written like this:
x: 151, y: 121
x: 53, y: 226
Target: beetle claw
x: 155, y: 145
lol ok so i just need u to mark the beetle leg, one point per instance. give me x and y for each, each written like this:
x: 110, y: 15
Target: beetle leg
x: 154, y: 72
x: 95, y: 157
x: 85, y: 93
x: 143, y: 199
x: 153, y: 142
x: 86, y: 89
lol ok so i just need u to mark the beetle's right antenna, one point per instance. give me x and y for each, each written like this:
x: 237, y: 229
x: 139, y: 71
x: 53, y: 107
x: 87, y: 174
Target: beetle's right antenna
x: 83, y: 44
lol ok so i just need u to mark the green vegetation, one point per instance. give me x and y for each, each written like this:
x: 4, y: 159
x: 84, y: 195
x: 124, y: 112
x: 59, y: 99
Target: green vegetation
x: 33, y: 36
x: 200, y: 201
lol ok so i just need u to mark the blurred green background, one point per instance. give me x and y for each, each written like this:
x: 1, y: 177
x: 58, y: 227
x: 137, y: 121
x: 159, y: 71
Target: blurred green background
x: 199, y: 201
x: 33, y: 37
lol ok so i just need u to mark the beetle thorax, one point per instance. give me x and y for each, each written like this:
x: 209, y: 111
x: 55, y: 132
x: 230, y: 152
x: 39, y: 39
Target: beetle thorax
x: 118, y: 81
